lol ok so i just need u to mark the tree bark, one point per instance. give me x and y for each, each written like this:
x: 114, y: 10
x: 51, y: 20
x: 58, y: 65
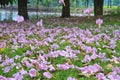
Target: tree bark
x: 98, y: 7
x: 66, y: 9
x: 22, y: 9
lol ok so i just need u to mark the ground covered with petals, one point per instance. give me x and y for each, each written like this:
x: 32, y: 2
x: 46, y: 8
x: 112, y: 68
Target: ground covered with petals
x: 30, y: 52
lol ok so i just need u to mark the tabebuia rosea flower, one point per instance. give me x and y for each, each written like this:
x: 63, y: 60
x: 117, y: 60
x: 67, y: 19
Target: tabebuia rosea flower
x: 32, y: 72
x: 47, y: 75
x: 40, y: 23
x: 20, y: 19
x: 70, y: 78
x: 62, y: 2
x: 88, y: 11
x: 99, y: 22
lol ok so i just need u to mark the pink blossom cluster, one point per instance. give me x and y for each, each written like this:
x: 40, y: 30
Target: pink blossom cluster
x: 40, y: 23
x: 61, y: 1
x: 70, y: 78
x: 88, y: 11
x: 99, y: 21
x: 90, y: 69
x: 20, y: 19
x: 65, y: 66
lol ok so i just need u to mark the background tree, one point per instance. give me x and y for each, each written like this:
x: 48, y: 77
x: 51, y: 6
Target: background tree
x: 66, y: 9
x: 6, y: 2
x: 22, y: 9
x: 116, y: 2
x: 109, y: 3
x: 77, y: 2
x: 87, y: 3
x: 98, y: 7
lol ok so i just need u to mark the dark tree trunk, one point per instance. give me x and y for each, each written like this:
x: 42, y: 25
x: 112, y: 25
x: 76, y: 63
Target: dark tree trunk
x: 22, y: 9
x: 66, y: 9
x: 98, y: 7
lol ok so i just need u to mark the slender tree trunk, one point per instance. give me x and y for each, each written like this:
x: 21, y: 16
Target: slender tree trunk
x: 109, y: 3
x: 98, y: 7
x: 66, y: 9
x: 77, y: 3
x: 22, y: 9
x: 87, y: 3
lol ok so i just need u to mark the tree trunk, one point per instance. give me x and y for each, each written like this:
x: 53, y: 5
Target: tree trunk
x: 98, y: 7
x: 109, y: 3
x: 77, y: 3
x: 22, y: 9
x: 87, y: 3
x: 66, y: 9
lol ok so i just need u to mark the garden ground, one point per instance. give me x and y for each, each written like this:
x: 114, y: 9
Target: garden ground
x: 64, y: 49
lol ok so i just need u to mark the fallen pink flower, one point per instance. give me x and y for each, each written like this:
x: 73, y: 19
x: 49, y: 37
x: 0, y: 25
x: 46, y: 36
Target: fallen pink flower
x: 70, y: 78
x: 51, y: 68
x: 86, y: 59
x: 0, y: 58
x: 99, y: 22
x: 2, y: 78
x: 88, y: 11
x: 101, y: 76
x: 40, y: 23
x: 62, y: 2
x: 20, y: 19
x: 32, y: 72
x: 47, y: 75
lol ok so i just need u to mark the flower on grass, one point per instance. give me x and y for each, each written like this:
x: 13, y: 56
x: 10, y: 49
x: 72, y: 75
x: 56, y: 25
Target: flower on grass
x: 18, y: 76
x: 54, y: 46
x: 32, y: 72
x: 28, y: 52
x: 99, y: 22
x: 0, y: 58
x: 86, y: 59
x: 47, y: 75
x: 51, y: 68
x: 116, y: 69
x: 114, y: 76
x: 65, y: 66
x: 94, y: 56
x: 23, y: 72
x: 6, y: 69
x: 88, y: 11
x: 97, y: 68
x: 11, y: 79
x: 70, y: 78
x: 101, y: 76
x: 40, y: 23
x: 42, y: 66
x: 20, y: 19
x: 7, y: 62
x: 26, y: 63
x: 18, y: 66
x: 90, y: 70
x: 2, y: 78
x: 2, y: 44
x: 115, y: 59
